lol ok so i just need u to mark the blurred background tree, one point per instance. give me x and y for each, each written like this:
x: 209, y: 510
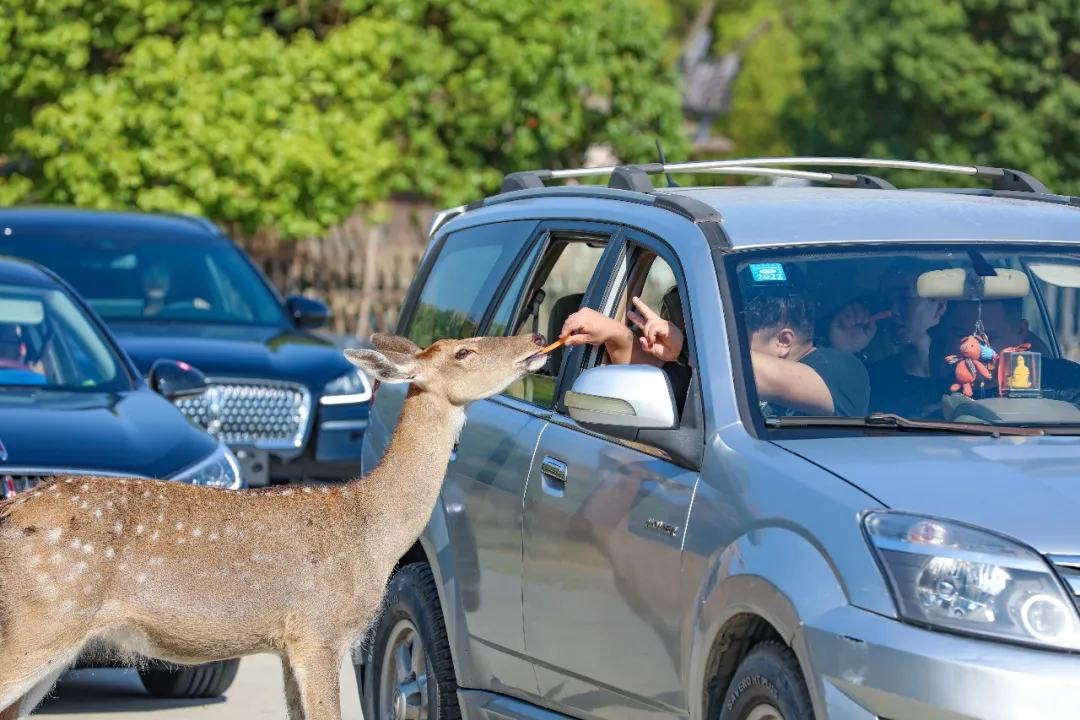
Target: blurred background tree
x: 289, y: 114
x: 990, y: 82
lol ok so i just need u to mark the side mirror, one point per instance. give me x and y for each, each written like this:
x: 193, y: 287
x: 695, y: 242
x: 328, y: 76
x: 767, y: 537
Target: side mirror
x: 174, y: 379
x: 637, y: 397
x: 307, y: 312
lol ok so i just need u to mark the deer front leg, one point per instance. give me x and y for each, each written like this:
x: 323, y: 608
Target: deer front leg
x: 316, y: 673
x: 293, y: 700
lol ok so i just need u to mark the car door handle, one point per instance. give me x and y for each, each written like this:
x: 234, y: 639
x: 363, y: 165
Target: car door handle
x: 553, y: 475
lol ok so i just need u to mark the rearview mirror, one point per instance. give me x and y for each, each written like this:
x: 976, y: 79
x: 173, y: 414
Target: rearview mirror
x: 307, y: 312
x: 174, y: 379
x: 628, y: 396
x: 960, y: 284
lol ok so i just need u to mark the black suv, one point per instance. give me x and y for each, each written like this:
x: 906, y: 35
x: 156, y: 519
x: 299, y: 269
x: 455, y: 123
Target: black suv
x: 286, y: 401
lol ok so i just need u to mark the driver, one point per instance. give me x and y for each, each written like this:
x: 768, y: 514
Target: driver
x: 11, y: 349
x: 155, y: 282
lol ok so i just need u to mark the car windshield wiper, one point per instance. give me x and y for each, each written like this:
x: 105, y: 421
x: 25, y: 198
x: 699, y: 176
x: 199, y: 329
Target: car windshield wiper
x: 889, y: 421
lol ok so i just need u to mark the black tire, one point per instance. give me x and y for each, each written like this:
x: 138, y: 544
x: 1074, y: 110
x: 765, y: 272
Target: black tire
x: 411, y: 596
x: 768, y: 675
x: 210, y: 680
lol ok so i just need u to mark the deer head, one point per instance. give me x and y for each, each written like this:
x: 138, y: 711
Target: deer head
x: 462, y: 371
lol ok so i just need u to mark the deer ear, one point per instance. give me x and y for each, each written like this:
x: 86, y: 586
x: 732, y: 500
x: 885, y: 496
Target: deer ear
x: 388, y: 367
x: 385, y: 342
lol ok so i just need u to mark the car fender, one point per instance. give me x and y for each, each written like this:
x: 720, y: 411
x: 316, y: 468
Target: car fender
x: 778, y: 575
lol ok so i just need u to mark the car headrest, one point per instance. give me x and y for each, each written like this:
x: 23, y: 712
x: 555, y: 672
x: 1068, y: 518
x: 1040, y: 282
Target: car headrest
x: 563, y: 308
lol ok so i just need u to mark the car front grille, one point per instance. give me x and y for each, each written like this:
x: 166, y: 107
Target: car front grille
x: 17, y: 480
x: 11, y: 484
x: 267, y: 414
x: 1068, y: 567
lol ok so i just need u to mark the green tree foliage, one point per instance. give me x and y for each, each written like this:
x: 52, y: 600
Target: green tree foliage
x: 989, y: 82
x: 770, y: 84
x: 290, y: 114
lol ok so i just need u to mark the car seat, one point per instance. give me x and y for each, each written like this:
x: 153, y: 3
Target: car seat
x: 563, y: 308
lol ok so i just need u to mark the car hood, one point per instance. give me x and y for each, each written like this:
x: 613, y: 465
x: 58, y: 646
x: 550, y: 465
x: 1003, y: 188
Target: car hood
x: 137, y: 432
x: 235, y: 351
x: 1024, y: 487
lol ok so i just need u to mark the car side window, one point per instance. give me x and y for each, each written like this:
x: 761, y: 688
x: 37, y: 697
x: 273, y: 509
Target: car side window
x: 556, y: 290
x: 651, y: 279
x: 463, y: 279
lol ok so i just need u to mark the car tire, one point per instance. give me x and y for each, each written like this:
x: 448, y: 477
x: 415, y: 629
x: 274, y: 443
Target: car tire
x: 768, y: 685
x: 209, y: 680
x: 410, y: 622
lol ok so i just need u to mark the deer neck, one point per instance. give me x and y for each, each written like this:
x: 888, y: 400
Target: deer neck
x: 407, y: 482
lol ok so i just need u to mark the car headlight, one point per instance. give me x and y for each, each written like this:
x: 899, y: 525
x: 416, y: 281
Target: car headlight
x: 957, y: 577
x: 352, y: 387
x: 221, y: 469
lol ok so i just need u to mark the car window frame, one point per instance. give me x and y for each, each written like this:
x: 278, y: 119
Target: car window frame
x: 544, y: 235
x: 688, y: 439
x: 135, y: 379
x: 423, y: 274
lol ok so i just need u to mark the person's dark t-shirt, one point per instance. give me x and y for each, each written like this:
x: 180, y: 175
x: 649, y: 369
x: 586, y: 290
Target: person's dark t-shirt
x: 893, y: 390
x: 845, y: 377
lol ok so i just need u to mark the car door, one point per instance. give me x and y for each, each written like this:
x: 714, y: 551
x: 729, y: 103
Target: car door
x: 485, y: 480
x: 603, y: 529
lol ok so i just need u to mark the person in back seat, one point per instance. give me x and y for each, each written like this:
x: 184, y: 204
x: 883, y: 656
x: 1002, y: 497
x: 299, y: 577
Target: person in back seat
x: 901, y: 378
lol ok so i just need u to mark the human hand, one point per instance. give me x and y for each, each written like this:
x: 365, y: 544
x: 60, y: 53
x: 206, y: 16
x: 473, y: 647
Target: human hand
x: 659, y: 337
x: 852, y: 329
x: 590, y: 327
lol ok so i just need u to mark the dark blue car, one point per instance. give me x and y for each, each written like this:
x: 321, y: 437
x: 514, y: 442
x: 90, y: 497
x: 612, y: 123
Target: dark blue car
x: 71, y: 402
x: 283, y: 398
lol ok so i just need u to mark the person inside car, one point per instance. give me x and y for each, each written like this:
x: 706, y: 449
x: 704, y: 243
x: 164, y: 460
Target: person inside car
x: 793, y: 376
x: 901, y: 377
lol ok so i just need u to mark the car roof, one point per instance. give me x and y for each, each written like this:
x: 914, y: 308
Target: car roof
x: 762, y: 216
x: 15, y: 271
x: 59, y: 220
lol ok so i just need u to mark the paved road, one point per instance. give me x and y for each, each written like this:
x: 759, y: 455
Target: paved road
x: 257, y: 693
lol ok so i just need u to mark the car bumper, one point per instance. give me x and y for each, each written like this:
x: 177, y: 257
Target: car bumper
x: 871, y: 667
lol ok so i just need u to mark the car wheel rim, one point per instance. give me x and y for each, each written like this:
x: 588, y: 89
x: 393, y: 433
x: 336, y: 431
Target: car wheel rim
x: 766, y: 711
x: 403, y: 685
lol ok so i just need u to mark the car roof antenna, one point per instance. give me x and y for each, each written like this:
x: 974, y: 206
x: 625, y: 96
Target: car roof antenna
x: 663, y: 161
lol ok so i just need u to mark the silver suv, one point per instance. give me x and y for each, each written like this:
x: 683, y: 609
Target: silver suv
x: 854, y: 494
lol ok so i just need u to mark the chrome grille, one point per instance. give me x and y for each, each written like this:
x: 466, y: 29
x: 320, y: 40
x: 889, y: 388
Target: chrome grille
x: 1068, y: 567
x: 14, y: 480
x: 11, y: 484
x: 264, y: 413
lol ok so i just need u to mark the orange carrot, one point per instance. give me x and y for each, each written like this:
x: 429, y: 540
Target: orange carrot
x: 555, y: 344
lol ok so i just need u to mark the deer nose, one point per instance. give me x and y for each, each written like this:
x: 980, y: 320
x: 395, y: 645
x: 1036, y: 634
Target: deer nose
x: 538, y: 339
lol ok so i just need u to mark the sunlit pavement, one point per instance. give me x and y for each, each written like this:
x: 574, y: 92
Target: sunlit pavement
x: 257, y: 693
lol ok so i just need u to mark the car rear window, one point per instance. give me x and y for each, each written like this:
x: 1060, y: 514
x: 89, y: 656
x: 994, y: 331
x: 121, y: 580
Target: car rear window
x: 463, y: 280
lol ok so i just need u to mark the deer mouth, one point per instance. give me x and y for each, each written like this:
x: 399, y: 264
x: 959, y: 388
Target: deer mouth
x: 533, y: 362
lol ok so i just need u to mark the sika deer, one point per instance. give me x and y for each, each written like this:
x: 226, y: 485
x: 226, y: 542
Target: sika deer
x: 191, y: 574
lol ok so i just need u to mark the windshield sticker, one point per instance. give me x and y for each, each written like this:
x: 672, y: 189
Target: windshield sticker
x: 768, y: 272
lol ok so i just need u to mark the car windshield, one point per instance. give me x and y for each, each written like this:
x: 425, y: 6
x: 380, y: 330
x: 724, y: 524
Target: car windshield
x: 47, y: 341
x: 978, y: 333
x: 155, y: 279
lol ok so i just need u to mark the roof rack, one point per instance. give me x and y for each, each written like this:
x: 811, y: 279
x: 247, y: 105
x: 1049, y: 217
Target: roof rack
x: 635, y: 177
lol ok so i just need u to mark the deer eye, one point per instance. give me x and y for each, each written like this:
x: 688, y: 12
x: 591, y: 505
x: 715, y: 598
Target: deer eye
x: 463, y: 353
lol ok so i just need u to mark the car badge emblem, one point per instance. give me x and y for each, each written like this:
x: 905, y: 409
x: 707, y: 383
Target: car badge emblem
x: 3, y: 452
x: 214, y: 396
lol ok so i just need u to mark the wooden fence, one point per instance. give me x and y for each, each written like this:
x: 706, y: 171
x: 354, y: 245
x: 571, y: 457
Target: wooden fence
x: 361, y: 270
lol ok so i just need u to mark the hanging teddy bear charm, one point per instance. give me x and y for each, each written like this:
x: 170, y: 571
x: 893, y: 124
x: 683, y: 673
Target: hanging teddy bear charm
x: 971, y: 370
